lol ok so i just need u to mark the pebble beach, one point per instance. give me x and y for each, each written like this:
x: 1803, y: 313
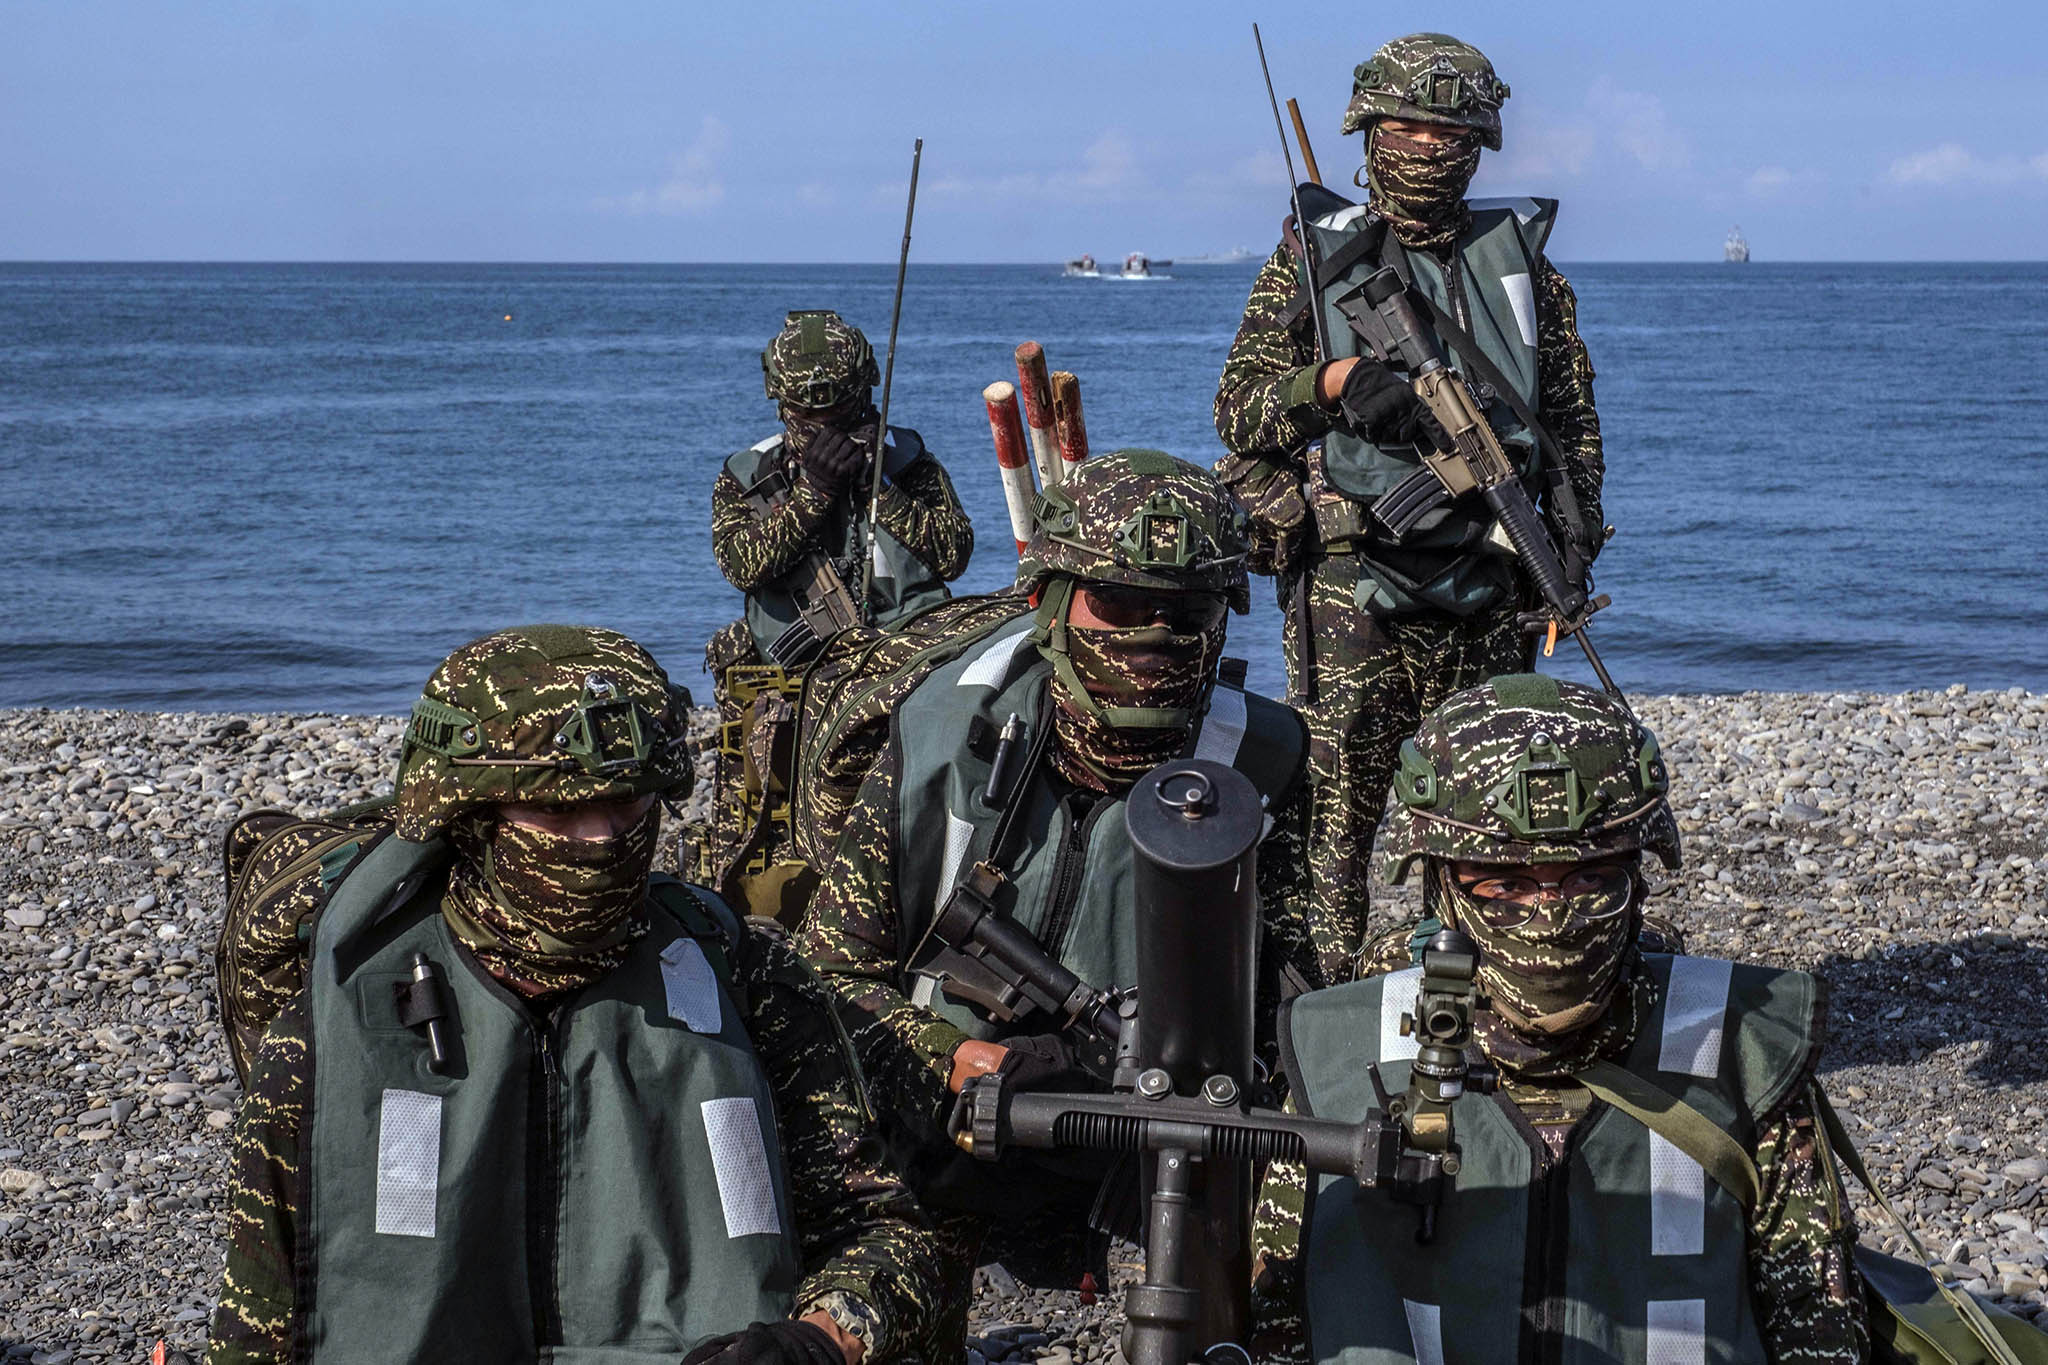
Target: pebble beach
x: 1896, y: 845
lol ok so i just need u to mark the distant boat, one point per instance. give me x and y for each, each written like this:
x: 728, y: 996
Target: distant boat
x: 1235, y: 256
x: 1084, y: 268
x: 1139, y: 266
x: 1736, y: 249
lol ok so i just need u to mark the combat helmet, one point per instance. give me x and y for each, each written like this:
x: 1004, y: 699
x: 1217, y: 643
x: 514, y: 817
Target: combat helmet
x: 1430, y: 78
x: 1529, y: 769
x: 1140, y: 518
x: 541, y: 713
x: 818, y: 360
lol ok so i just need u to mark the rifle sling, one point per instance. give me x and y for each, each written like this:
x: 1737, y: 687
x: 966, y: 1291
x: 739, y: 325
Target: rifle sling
x: 1679, y: 1124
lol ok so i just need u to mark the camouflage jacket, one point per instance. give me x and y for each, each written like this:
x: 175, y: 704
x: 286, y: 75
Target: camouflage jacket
x: 870, y: 1257
x: 919, y: 508
x: 1267, y: 414
x: 852, y: 935
x: 1802, y: 1277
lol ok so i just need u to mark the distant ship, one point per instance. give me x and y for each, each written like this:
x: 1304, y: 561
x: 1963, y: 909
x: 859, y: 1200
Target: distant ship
x: 1084, y: 268
x: 1234, y: 256
x: 1139, y: 266
x: 1736, y: 248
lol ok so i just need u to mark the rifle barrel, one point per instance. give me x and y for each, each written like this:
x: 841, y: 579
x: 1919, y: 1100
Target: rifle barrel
x: 867, y: 570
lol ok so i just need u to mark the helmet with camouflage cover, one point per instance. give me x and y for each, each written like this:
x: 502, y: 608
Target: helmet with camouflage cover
x: 541, y: 713
x: 1429, y: 78
x: 1529, y: 769
x: 818, y: 360
x: 1140, y: 518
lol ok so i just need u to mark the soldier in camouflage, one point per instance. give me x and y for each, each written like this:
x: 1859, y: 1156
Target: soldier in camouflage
x: 1107, y: 670
x: 1396, y: 625
x: 781, y: 511
x: 1529, y: 804
x: 575, y: 1006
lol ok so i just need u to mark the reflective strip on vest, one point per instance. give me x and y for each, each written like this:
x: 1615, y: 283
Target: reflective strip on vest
x: 1678, y: 1201
x: 408, y: 1163
x: 989, y: 666
x: 691, y: 986
x: 1397, y: 998
x: 746, y: 1185
x: 959, y: 834
x: 1426, y: 1331
x: 1693, y: 1015
x: 1223, y: 726
x: 1522, y: 299
x: 1677, y: 1332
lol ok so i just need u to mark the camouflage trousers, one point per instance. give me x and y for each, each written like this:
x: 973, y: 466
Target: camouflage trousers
x: 1375, y: 679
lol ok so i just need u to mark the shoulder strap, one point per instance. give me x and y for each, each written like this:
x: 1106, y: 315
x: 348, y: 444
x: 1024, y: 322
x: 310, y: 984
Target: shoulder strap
x: 704, y: 917
x: 1679, y: 1124
x: 1964, y: 1304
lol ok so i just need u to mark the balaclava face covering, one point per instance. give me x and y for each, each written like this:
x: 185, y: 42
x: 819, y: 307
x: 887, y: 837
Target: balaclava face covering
x: 1419, y: 187
x: 545, y: 913
x: 1155, y: 667
x: 1550, y: 981
x: 800, y: 428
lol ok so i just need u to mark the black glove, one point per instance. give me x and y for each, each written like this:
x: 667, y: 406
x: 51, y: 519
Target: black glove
x: 1381, y: 406
x: 832, y: 461
x: 770, y: 1343
x: 1042, y: 1061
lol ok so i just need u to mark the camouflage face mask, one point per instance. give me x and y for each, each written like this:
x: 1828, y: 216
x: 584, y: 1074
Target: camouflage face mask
x: 1153, y: 669
x: 543, y: 912
x: 1419, y: 187
x: 1549, y: 979
x: 801, y: 427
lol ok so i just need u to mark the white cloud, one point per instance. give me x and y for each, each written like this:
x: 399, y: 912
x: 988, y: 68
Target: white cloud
x: 1639, y: 126
x: 1951, y: 163
x: 1108, y: 169
x: 1252, y: 174
x: 1766, y: 181
x: 1544, y: 150
x: 693, y: 185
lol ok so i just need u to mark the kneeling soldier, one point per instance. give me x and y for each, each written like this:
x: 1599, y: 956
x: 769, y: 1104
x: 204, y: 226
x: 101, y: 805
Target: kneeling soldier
x: 1648, y: 1182
x: 533, y: 1102
x: 1008, y: 769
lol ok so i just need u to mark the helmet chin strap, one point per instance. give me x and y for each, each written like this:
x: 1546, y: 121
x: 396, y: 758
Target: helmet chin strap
x: 1052, y: 640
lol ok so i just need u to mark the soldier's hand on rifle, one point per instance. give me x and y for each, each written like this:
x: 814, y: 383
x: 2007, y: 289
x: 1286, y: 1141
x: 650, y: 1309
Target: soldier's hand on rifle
x: 832, y: 461
x: 1380, y: 405
x: 1279, y: 525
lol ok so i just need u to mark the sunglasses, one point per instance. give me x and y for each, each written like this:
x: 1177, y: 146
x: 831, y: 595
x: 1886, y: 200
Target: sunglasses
x: 1509, y: 900
x: 1126, y: 608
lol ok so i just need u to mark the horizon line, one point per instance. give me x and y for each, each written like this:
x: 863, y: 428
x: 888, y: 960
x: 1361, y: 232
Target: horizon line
x: 1172, y: 261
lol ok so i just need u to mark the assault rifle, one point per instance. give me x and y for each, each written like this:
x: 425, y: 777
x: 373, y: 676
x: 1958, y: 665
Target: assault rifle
x: 1186, y: 1105
x: 824, y: 607
x: 1386, y: 321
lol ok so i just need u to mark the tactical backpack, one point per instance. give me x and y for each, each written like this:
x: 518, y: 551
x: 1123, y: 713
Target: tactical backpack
x: 280, y: 868
x: 850, y: 691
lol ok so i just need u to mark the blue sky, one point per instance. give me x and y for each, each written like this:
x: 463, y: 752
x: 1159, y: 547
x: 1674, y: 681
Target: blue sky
x: 773, y: 131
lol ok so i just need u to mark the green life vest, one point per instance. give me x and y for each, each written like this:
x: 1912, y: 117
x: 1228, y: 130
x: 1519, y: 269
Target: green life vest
x: 1068, y: 881
x: 902, y: 582
x: 1624, y: 1251
x: 600, y: 1188
x: 1444, y: 562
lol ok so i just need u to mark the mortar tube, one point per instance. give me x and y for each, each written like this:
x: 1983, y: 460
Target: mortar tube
x: 1008, y: 430
x: 1036, y: 390
x: 1066, y: 420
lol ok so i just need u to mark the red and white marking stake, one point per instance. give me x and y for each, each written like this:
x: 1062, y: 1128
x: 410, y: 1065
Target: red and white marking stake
x: 1037, y: 392
x: 1008, y: 430
x: 1066, y: 420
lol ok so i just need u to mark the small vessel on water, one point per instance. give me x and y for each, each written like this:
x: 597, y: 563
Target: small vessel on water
x: 1139, y: 266
x: 1084, y: 268
x: 1736, y: 249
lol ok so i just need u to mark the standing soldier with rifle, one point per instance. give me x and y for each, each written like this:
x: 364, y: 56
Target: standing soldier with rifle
x: 998, y: 804
x: 1403, y: 590
x: 789, y: 529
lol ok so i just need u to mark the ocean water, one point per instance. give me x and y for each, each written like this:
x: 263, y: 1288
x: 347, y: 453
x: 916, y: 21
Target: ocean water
x: 298, y: 486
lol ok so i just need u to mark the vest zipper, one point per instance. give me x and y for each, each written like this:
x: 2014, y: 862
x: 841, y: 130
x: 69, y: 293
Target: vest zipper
x: 1455, y: 279
x: 1066, y: 874
x: 544, y: 1179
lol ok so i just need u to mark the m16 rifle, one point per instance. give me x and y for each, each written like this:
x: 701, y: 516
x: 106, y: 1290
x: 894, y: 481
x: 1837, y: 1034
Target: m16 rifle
x: 824, y: 605
x: 1386, y: 321
x: 1184, y: 1098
